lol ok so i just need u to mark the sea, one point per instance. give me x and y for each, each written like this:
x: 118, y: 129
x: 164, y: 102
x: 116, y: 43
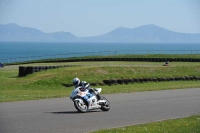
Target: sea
x: 22, y: 51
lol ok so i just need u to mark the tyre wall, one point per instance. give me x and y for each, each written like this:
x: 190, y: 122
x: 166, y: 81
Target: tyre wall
x: 135, y: 59
x: 25, y: 70
x: 143, y: 80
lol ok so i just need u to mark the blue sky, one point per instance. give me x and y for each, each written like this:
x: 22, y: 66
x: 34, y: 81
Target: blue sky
x: 95, y: 17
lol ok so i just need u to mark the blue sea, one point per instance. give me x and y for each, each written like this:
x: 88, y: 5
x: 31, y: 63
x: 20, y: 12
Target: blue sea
x: 19, y: 51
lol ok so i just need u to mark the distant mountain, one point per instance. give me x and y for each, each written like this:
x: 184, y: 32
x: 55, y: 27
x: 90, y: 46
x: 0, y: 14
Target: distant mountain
x: 14, y: 32
x: 142, y: 34
x: 145, y: 34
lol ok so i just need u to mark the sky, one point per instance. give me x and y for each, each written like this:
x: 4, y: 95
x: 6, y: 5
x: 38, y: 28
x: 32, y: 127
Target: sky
x: 96, y: 17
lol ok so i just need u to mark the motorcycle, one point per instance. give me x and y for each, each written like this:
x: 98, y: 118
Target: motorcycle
x: 95, y: 101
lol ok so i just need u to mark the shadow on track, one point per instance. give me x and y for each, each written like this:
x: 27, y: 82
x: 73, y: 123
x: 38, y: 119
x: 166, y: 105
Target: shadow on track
x: 73, y: 112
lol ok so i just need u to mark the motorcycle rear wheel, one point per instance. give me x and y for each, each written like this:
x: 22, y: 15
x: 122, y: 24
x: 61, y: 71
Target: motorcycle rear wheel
x: 106, y: 106
x: 81, y: 107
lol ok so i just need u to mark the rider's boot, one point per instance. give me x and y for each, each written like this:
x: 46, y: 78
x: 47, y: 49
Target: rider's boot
x: 97, y: 94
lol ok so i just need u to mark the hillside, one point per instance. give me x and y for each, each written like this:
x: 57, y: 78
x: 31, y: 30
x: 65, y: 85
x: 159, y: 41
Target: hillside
x: 14, y: 32
x: 142, y: 34
x: 145, y: 34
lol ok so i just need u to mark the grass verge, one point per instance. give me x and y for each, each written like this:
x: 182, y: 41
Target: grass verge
x: 51, y: 83
x: 34, y: 92
x: 182, y: 125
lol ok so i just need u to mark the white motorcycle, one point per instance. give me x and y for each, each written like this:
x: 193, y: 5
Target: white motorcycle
x: 95, y: 101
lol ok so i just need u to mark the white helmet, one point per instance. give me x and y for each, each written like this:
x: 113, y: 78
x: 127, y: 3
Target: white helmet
x: 85, y: 84
x: 76, y: 81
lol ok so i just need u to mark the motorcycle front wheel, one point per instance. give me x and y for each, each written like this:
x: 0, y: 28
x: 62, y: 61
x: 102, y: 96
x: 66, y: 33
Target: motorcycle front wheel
x: 80, y: 106
x: 106, y: 105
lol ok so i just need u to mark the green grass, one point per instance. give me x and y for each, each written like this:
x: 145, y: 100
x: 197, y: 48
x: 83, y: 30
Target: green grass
x: 33, y: 92
x: 182, y: 125
x: 50, y: 83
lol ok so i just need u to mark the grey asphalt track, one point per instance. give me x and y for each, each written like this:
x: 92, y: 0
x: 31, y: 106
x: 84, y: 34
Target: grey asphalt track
x: 59, y: 115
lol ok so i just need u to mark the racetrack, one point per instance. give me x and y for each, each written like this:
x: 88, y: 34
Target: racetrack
x: 59, y: 115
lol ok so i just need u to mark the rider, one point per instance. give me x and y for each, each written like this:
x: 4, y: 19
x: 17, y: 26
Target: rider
x: 85, y: 86
x: 166, y: 63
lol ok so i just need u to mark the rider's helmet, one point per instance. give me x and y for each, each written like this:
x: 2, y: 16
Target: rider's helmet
x: 76, y: 81
x: 84, y: 86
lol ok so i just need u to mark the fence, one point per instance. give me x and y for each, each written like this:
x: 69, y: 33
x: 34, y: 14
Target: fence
x: 101, y: 53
